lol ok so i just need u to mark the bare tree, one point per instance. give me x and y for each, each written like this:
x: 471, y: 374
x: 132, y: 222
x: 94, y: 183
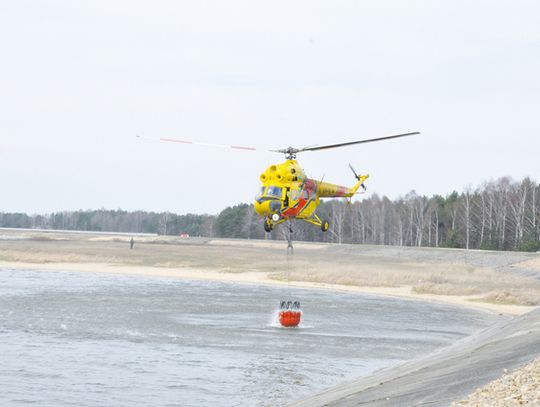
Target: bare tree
x: 466, y: 202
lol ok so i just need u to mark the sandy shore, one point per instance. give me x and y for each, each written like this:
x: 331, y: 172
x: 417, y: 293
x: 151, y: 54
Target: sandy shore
x: 264, y: 278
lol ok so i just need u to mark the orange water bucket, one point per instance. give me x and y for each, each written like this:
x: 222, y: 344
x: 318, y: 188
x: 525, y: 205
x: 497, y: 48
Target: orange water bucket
x: 290, y: 313
x: 290, y: 318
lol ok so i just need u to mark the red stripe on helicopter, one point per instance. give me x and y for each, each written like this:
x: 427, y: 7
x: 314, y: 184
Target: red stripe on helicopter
x: 174, y: 140
x: 244, y: 148
x: 297, y: 208
x: 341, y: 191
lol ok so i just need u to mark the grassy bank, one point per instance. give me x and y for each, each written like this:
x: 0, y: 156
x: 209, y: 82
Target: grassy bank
x: 482, y: 277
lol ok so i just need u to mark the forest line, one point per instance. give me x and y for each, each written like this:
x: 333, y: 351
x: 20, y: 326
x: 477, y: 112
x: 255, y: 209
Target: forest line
x: 498, y: 215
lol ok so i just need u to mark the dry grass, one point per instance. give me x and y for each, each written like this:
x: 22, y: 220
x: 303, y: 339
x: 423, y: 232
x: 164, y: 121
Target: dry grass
x: 516, y: 297
x: 445, y: 289
x: 438, y: 279
x: 320, y: 264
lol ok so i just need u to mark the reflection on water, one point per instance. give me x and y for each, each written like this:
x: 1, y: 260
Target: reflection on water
x: 86, y: 340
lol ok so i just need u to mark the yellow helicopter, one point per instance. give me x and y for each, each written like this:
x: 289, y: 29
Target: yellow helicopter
x: 287, y: 193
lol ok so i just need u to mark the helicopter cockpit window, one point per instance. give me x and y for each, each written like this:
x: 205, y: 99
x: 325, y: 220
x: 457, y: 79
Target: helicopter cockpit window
x: 273, y: 191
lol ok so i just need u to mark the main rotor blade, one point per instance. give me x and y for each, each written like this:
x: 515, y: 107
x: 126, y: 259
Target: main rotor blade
x: 353, y: 171
x: 175, y: 140
x: 371, y: 140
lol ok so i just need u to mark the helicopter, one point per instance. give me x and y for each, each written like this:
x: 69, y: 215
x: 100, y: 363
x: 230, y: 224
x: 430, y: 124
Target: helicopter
x: 287, y: 193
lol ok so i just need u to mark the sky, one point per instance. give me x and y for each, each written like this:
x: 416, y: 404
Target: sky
x: 79, y: 80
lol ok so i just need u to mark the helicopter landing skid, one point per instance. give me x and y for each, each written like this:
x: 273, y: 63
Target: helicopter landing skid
x: 315, y: 220
x: 269, y: 224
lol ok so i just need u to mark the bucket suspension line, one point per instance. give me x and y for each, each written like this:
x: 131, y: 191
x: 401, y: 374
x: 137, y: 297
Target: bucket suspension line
x: 290, y: 313
x: 290, y: 252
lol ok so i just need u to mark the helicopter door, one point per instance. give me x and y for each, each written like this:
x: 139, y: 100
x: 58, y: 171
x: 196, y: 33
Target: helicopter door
x: 294, y: 195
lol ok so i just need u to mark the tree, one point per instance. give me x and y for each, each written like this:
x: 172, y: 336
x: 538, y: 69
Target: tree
x: 230, y: 222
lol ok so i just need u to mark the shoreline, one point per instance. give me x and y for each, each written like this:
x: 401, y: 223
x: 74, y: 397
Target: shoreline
x: 403, y: 292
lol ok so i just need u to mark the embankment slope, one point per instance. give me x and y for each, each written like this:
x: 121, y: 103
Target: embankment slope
x: 446, y: 376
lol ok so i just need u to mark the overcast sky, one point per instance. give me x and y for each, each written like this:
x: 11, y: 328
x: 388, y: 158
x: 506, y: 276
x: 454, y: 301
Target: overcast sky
x: 78, y: 81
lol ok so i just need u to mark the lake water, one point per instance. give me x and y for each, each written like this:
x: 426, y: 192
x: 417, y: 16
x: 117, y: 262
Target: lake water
x: 83, y: 339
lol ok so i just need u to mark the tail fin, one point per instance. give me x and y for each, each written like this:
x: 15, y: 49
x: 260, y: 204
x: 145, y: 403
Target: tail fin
x: 360, y: 183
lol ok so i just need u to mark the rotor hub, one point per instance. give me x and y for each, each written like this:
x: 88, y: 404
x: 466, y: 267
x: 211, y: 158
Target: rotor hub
x: 290, y: 153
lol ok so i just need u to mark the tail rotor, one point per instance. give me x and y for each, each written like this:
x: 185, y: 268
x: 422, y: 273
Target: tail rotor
x: 357, y: 177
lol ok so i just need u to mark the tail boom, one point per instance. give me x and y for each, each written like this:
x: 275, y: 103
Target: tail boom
x: 328, y: 190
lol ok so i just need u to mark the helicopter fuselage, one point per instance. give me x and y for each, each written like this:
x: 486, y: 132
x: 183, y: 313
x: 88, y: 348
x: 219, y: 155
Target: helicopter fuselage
x: 287, y: 192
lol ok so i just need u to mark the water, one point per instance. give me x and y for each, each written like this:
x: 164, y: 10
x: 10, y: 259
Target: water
x: 83, y: 339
